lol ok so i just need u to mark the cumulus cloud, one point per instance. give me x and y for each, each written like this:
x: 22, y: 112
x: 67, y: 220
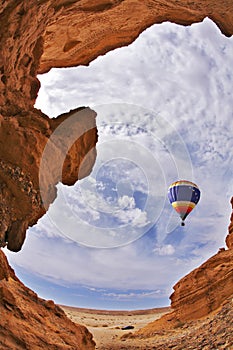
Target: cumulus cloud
x: 124, y: 268
x: 164, y: 107
x: 166, y: 249
x: 126, y: 202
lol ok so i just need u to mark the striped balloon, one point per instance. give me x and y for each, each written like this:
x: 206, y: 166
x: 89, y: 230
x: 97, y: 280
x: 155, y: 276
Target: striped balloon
x: 183, y: 195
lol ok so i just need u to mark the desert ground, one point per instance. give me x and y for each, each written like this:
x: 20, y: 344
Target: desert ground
x: 213, y: 332
x: 106, y: 326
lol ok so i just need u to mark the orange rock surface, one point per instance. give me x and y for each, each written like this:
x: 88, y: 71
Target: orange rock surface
x: 205, y: 288
x: 36, y: 36
x: 22, y: 142
x: 29, y: 322
x: 212, y: 332
x: 208, y: 286
x: 94, y: 27
x: 229, y: 238
x: 199, y: 293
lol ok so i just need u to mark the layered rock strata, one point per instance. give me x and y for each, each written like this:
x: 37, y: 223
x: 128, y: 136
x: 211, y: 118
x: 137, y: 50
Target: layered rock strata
x: 29, y: 322
x: 36, y: 36
x: 201, y: 292
x: 28, y: 175
x: 205, y: 288
x: 212, y: 332
x: 229, y: 238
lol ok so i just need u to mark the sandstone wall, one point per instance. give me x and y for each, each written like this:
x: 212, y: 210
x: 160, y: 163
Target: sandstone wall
x: 205, y: 288
x: 229, y: 238
x: 38, y: 35
x: 199, y: 293
x: 22, y: 143
x: 29, y: 322
x: 35, y: 36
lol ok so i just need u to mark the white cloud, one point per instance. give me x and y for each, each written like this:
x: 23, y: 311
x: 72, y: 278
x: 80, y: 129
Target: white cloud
x: 164, y: 109
x: 166, y: 249
x: 134, y: 296
x: 68, y: 264
x: 126, y: 202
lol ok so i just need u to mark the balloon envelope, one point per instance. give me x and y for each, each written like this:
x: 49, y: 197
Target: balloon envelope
x: 183, y: 196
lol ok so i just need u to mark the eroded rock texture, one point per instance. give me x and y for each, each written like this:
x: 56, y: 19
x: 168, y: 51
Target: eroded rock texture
x: 38, y: 35
x: 201, y: 292
x: 29, y: 322
x: 229, y: 238
x: 35, y: 36
x: 205, y: 288
x: 22, y: 143
x: 212, y: 332
x: 94, y: 27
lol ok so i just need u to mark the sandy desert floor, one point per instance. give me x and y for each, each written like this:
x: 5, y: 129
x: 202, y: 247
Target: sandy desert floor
x: 106, y: 326
x: 214, y: 332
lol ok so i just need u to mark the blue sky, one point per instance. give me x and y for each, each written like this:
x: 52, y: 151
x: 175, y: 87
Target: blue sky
x: 164, y: 112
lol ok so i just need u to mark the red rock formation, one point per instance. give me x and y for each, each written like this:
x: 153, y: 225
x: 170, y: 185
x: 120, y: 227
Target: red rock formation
x: 200, y: 292
x: 107, y: 24
x: 29, y: 322
x: 22, y: 142
x: 207, y: 287
x: 229, y: 238
x: 35, y: 36
x: 38, y: 35
x: 212, y: 332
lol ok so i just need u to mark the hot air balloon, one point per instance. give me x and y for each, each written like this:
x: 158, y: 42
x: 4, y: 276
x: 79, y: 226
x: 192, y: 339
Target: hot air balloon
x: 183, y: 196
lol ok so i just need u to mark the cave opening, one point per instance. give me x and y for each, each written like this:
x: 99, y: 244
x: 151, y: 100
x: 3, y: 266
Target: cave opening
x: 164, y: 112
